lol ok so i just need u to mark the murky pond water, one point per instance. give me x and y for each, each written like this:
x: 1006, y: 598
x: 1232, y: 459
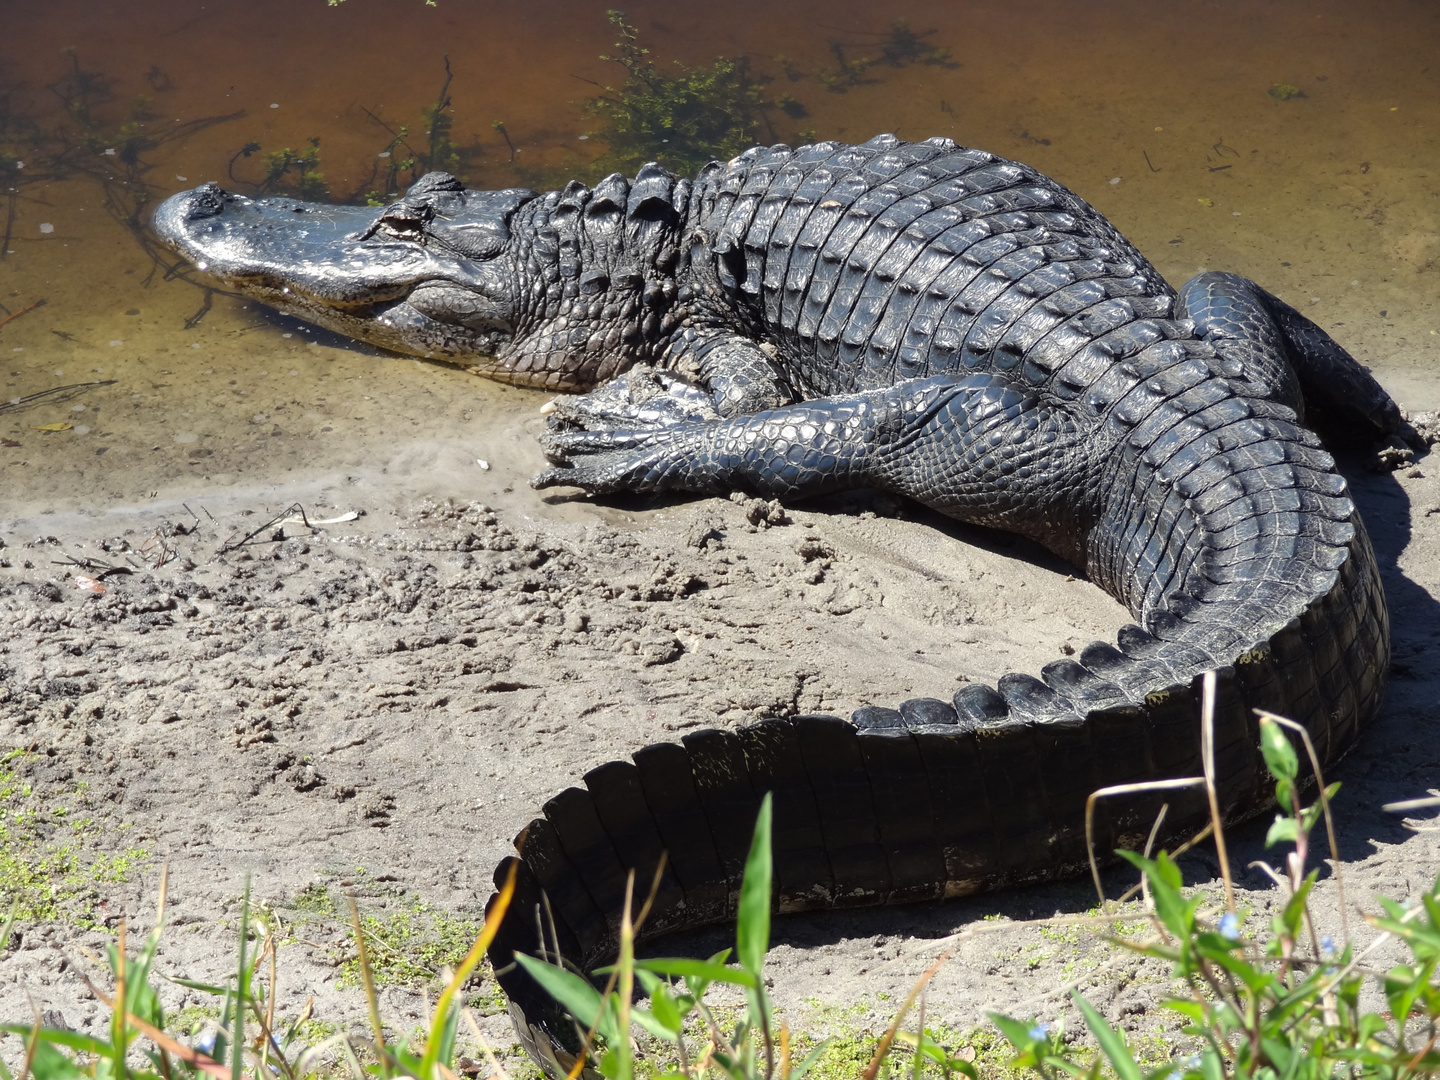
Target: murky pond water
x: 1291, y: 142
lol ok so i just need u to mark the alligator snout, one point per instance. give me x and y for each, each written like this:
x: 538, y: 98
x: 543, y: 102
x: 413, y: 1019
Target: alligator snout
x: 236, y: 236
x: 176, y: 219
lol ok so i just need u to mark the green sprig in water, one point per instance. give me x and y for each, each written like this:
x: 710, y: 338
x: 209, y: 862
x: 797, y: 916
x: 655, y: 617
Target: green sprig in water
x: 682, y: 117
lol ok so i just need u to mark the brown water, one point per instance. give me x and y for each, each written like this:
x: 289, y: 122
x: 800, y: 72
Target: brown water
x: 1157, y: 113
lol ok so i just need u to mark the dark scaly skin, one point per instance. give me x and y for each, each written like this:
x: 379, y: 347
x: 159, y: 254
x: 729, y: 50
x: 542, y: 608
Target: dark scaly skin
x: 956, y: 328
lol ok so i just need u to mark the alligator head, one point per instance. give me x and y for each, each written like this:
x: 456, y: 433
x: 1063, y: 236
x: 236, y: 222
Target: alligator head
x: 431, y: 275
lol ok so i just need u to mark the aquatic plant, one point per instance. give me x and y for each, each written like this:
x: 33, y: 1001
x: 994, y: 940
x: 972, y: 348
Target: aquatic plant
x: 95, y: 140
x: 846, y: 72
x: 440, y: 151
x: 682, y: 117
x: 1285, y: 92
x: 309, y: 181
x: 902, y: 46
x: 399, y: 164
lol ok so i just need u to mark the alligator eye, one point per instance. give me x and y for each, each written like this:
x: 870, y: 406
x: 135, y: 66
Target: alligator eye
x: 404, y: 228
x: 402, y: 221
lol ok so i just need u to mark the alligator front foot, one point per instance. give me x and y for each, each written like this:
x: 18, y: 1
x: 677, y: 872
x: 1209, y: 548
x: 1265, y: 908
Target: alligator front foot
x: 640, y: 398
x: 601, y: 462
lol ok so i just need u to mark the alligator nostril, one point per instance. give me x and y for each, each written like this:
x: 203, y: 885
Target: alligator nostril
x: 205, y: 201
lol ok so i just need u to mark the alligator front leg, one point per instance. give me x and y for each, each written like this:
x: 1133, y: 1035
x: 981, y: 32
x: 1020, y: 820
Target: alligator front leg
x: 976, y: 448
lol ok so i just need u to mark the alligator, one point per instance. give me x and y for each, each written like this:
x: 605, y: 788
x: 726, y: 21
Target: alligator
x: 940, y: 323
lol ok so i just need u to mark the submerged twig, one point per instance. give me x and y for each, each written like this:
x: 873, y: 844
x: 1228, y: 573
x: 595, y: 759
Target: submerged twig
x: 11, y: 318
x: 11, y: 203
x: 194, y: 320
x: 60, y: 393
x: 499, y: 125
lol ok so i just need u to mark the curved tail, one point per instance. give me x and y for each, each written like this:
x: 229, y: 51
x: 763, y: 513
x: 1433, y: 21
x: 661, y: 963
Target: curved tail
x: 931, y: 799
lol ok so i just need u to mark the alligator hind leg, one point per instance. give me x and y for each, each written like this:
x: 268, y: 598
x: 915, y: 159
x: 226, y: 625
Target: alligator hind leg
x: 1289, y: 358
x: 977, y: 448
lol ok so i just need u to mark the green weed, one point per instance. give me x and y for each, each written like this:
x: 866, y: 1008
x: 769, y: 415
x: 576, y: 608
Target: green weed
x: 50, y: 870
x: 99, y: 139
x: 409, y: 943
x: 682, y: 117
x: 1283, y: 1004
x: 242, y: 1037
x: 410, y: 946
x: 898, y: 47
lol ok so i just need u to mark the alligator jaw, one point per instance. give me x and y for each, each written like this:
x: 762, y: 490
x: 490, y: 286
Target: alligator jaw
x: 278, y: 247
x: 326, y: 264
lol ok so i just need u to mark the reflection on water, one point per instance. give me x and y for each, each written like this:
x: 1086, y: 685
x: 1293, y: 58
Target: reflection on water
x: 1291, y: 142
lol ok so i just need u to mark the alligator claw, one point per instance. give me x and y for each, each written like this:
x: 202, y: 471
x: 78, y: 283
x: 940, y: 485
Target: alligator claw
x: 590, y: 480
x: 560, y: 447
x: 602, y: 461
x: 600, y: 473
x: 552, y: 478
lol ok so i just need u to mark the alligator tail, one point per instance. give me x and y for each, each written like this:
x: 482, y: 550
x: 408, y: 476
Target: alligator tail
x: 933, y: 799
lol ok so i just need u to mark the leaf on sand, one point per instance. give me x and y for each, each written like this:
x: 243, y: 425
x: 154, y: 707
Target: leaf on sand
x: 63, y: 426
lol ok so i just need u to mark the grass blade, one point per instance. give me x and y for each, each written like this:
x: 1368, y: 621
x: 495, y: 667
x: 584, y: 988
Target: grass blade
x: 368, y: 978
x: 237, y: 1040
x: 752, y: 930
x: 119, y: 1032
x: 472, y: 958
x: 1112, y: 1043
x: 579, y: 998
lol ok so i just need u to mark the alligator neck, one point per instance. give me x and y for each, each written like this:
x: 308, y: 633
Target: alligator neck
x: 598, y: 268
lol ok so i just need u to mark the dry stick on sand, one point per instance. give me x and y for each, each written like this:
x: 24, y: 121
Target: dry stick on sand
x: 1404, y: 807
x: 369, y: 983
x: 293, y: 508
x: 105, y: 569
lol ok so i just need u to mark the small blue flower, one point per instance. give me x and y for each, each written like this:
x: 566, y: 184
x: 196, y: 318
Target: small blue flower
x: 1039, y: 1031
x: 1184, y: 1065
x: 1327, y: 947
x: 206, y: 1043
x: 1229, y: 926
